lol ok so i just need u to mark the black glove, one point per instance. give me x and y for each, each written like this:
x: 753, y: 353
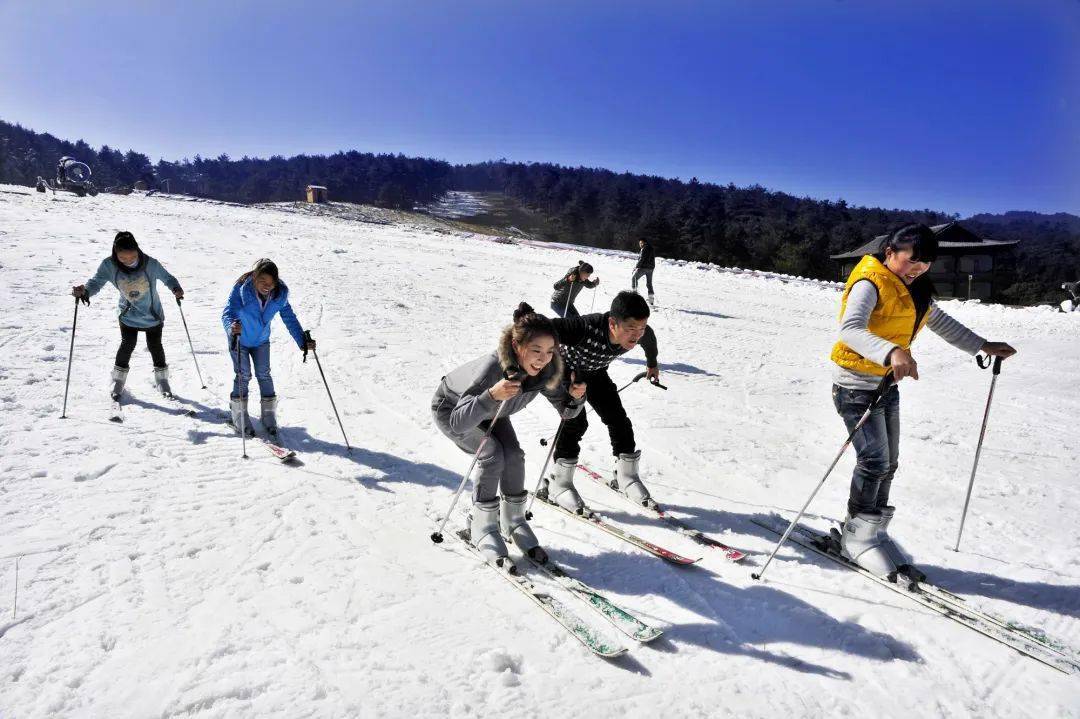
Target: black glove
x: 309, y: 343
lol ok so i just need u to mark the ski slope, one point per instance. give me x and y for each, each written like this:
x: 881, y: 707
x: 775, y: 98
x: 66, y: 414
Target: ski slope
x: 161, y: 575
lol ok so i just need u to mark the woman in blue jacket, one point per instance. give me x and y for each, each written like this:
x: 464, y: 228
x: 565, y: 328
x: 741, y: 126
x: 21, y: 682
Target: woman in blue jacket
x: 256, y: 297
x: 135, y: 275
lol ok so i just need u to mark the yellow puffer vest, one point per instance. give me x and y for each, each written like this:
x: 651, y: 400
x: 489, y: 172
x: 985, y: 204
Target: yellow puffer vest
x: 893, y: 318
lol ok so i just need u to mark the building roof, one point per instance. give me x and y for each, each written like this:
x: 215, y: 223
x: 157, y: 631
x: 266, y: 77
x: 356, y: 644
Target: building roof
x: 316, y: 187
x: 951, y: 236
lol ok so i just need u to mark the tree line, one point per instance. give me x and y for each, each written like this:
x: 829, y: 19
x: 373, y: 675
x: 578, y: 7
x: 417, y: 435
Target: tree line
x: 749, y: 227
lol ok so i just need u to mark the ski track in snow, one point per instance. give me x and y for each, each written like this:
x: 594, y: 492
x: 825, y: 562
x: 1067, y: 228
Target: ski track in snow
x: 162, y: 575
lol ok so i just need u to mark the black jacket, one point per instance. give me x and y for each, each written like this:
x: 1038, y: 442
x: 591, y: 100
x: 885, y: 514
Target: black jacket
x: 647, y: 259
x: 583, y: 342
x: 564, y: 288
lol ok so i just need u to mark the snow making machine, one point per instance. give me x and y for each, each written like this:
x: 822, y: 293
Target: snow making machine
x: 72, y: 176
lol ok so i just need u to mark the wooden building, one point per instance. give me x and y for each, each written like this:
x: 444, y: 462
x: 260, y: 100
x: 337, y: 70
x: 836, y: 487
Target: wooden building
x: 317, y: 193
x: 968, y: 266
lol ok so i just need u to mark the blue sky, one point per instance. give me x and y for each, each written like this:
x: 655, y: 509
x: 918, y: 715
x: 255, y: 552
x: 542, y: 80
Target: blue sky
x: 958, y: 106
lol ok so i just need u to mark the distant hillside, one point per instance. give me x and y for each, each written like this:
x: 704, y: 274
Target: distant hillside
x: 1071, y: 222
x: 750, y: 227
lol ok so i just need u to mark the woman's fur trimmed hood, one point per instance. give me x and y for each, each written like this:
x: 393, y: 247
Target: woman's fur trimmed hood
x: 551, y: 375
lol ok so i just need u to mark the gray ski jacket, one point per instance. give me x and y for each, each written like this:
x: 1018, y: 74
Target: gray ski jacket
x: 462, y: 401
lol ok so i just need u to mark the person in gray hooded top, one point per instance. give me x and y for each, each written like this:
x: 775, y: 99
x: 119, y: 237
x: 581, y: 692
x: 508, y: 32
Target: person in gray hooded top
x: 524, y: 365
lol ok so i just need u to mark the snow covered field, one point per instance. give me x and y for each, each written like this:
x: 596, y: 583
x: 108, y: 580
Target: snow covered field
x: 159, y: 574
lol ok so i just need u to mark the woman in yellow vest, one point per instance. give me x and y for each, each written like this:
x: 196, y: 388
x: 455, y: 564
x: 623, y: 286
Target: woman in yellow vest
x: 886, y: 301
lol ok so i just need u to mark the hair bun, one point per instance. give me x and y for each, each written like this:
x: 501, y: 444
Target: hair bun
x: 522, y: 310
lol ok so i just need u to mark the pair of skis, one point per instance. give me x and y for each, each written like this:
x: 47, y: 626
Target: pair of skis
x: 273, y: 447
x: 1029, y: 642
x: 730, y: 553
x: 590, y: 637
x: 116, y: 407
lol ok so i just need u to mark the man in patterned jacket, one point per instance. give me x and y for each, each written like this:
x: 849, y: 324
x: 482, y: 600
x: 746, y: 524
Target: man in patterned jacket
x: 588, y: 345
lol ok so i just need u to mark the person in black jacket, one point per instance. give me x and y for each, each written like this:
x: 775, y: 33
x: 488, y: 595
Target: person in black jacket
x: 646, y: 263
x: 588, y: 345
x: 569, y: 287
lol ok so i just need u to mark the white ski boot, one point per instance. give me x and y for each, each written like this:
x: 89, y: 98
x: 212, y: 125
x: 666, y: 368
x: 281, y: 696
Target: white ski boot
x: 161, y: 380
x: 238, y: 408
x: 560, y: 487
x: 628, y: 480
x: 860, y: 544
x: 905, y: 570
x: 516, y: 528
x: 268, y: 414
x: 651, y: 300
x: 484, y: 531
x: 119, y: 378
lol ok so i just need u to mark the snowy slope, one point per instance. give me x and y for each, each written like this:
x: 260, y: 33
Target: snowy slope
x: 162, y: 575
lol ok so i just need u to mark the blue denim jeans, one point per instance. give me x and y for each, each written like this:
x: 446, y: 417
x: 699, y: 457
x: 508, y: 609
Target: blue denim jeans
x: 638, y: 274
x: 877, y: 445
x: 260, y: 356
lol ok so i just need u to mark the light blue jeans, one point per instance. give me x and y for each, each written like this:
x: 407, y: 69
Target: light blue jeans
x: 260, y: 357
x: 877, y: 445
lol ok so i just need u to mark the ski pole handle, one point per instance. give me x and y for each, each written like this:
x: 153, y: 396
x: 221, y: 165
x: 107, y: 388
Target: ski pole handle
x: 984, y: 361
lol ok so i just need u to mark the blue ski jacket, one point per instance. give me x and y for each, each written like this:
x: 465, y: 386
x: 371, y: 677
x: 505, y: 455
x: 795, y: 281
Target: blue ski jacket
x: 244, y: 305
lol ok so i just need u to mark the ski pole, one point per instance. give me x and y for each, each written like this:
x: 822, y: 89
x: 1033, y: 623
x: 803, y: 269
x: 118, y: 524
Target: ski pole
x: 878, y: 394
x: 71, y: 352
x: 569, y: 297
x: 15, y: 604
x: 181, y: 308
x: 307, y: 338
x: 437, y: 535
x: 593, y: 303
x: 640, y: 375
x: 978, y: 447
x: 241, y: 398
x: 543, y: 470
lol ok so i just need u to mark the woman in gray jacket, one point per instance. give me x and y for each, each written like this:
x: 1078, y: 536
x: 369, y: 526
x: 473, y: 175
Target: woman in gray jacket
x: 525, y: 364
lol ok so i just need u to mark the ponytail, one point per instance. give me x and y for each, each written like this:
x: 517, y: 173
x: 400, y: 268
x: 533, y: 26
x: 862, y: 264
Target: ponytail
x: 529, y: 324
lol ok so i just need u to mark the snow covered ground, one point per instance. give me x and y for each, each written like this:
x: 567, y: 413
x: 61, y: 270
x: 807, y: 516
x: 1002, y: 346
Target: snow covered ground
x: 159, y: 574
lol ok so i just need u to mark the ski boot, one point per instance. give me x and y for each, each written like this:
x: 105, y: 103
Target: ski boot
x: 238, y: 409
x: 484, y: 532
x: 628, y: 481
x: 268, y: 414
x: 514, y: 526
x: 161, y: 380
x: 651, y: 300
x: 119, y: 378
x: 861, y: 545
x: 559, y: 487
x: 906, y: 573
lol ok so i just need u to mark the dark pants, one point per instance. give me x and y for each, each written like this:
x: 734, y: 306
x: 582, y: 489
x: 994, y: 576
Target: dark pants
x: 877, y: 445
x: 603, y: 397
x: 128, y: 338
x: 638, y: 274
x: 559, y: 307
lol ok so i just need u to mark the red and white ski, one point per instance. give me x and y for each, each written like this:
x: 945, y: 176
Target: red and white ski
x: 730, y: 553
